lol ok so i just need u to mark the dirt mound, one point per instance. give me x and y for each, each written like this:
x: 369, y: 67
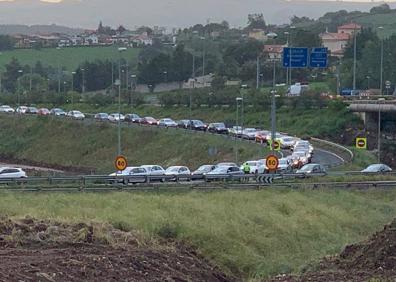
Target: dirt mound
x: 372, y: 259
x: 32, y: 250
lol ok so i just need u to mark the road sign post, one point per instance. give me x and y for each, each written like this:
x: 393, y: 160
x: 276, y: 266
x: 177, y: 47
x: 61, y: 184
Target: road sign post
x: 120, y: 163
x: 318, y: 58
x: 295, y: 57
x: 272, y: 163
x: 361, y: 143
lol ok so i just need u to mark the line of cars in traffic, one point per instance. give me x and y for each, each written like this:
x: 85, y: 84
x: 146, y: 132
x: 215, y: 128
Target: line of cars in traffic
x: 25, y: 110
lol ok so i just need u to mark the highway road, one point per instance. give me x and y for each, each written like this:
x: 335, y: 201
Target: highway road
x: 324, y: 157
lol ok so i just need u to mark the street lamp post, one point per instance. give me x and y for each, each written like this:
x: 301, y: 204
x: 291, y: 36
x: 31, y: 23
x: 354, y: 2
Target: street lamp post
x: 243, y: 89
x: 238, y: 99
x: 120, y: 50
x: 19, y: 86
x: 368, y: 82
x: 379, y: 129
x: 382, y: 62
x: 273, y: 92
x: 72, y: 87
x: 354, y: 60
x: 203, y: 55
x: 133, y: 77
x: 83, y: 81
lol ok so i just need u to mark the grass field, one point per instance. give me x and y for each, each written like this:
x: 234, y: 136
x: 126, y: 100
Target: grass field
x: 69, y: 58
x: 94, y: 145
x: 251, y: 234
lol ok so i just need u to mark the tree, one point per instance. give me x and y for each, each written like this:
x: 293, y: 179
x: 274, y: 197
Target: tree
x: 305, y: 38
x: 381, y: 9
x: 256, y: 21
x: 11, y: 74
x: 6, y: 43
x: 121, y: 29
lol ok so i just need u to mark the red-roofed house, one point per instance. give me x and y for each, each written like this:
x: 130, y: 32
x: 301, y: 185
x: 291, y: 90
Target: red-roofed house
x: 274, y: 51
x: 349, y: 28
x: 336, y: 42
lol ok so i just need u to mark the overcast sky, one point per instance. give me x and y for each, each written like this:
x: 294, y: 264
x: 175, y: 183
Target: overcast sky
x: 169, y: 13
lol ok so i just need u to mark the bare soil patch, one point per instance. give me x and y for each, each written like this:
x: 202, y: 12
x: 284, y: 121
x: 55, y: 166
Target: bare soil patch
x: 34, y: 250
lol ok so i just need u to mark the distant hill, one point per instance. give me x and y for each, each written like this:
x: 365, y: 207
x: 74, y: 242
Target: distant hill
x: 37, y: 29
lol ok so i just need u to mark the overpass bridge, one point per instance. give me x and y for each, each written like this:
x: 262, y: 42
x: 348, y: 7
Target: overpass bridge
x: 370, y: 110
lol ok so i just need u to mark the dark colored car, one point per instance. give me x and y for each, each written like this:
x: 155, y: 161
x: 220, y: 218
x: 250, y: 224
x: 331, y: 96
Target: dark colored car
x: 149, y: 121
x: 133, y: 118
x: 32, y: 110
x: 57, y: 112
x: 183, y: 123
x: 218, y: 128
x: 102, y: 117
x: 197, y: 125
x: 202, y: 171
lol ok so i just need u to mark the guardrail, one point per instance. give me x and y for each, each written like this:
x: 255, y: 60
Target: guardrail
x: 347, y: 154
x: 143, y: 182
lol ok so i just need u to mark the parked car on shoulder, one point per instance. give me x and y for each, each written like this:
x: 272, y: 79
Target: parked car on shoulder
x: 149, y: 121
x: 31, y: 111
x: 217, y: 127
x: 101, y: 117
x: 134, y: 118
x: 12, y: 173
x: 21, y: 109
x: 77, y: 115
x: 167, y: 122
x: 377, y: 168
x: 6, y: 109
x: 116, y: 117
x: 43, y: 112
x: 57, y: 112
x: 310, y: 169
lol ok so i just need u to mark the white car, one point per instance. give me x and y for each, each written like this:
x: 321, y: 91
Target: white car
x: 223, y: 171
x: 116, y: 117
x: 235, y: 131
x: 287, y: 142
x: 167, y: 122
x: 178, y: 171
x: 6, y: 109
x: 256, y: 167
x: 21, y: 109
x: 249, y: 133
x: 76, y: 115
x: 285, y: 165
x: 12, y: 173
x: 155, y: 172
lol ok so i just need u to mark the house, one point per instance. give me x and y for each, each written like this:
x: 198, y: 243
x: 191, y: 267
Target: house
x: 335, y: 42
x: 349, y: 28
x: 258, y: 34
x: 199, y: 82
x: 91, y: 39
x: 274, y: 52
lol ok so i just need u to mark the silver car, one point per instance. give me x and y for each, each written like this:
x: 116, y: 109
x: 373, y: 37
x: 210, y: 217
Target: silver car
x: 167, y: 122
x: 155, y: 172
x: 180, y: 172
x: 377, y: 168
x: 12, y: 173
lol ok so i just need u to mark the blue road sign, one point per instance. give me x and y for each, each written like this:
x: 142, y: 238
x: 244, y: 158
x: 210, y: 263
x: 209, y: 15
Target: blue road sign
x: 318, y: 58
x: 295, y: 57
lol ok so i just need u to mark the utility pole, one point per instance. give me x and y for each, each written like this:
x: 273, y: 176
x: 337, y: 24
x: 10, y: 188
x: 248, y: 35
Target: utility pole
x: 382, y: 63
x: 258, y: 73
x: 354, y: 60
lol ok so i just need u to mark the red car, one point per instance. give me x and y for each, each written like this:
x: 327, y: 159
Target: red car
x: 43, y: 112
x: 262, y: 136
x: 149, y: 121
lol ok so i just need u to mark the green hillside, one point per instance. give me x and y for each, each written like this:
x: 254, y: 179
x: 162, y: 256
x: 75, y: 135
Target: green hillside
x: 69, y: 58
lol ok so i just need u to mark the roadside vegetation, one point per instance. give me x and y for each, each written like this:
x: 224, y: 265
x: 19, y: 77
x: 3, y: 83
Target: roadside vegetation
x: 252, y: 234
x: 93, y: 146
x: 68, y: 58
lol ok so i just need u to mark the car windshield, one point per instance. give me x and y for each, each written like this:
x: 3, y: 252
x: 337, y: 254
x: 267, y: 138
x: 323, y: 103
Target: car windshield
x: 198, y: 122
x: 173, y: 169
x: 138, y: 170
x: 374, y: 168
x: 204, y: 168
x: 250, y: 130
x: 220, y: 125
x: 220, y: 170
x: 288, y: 139
x: 167, y: 120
